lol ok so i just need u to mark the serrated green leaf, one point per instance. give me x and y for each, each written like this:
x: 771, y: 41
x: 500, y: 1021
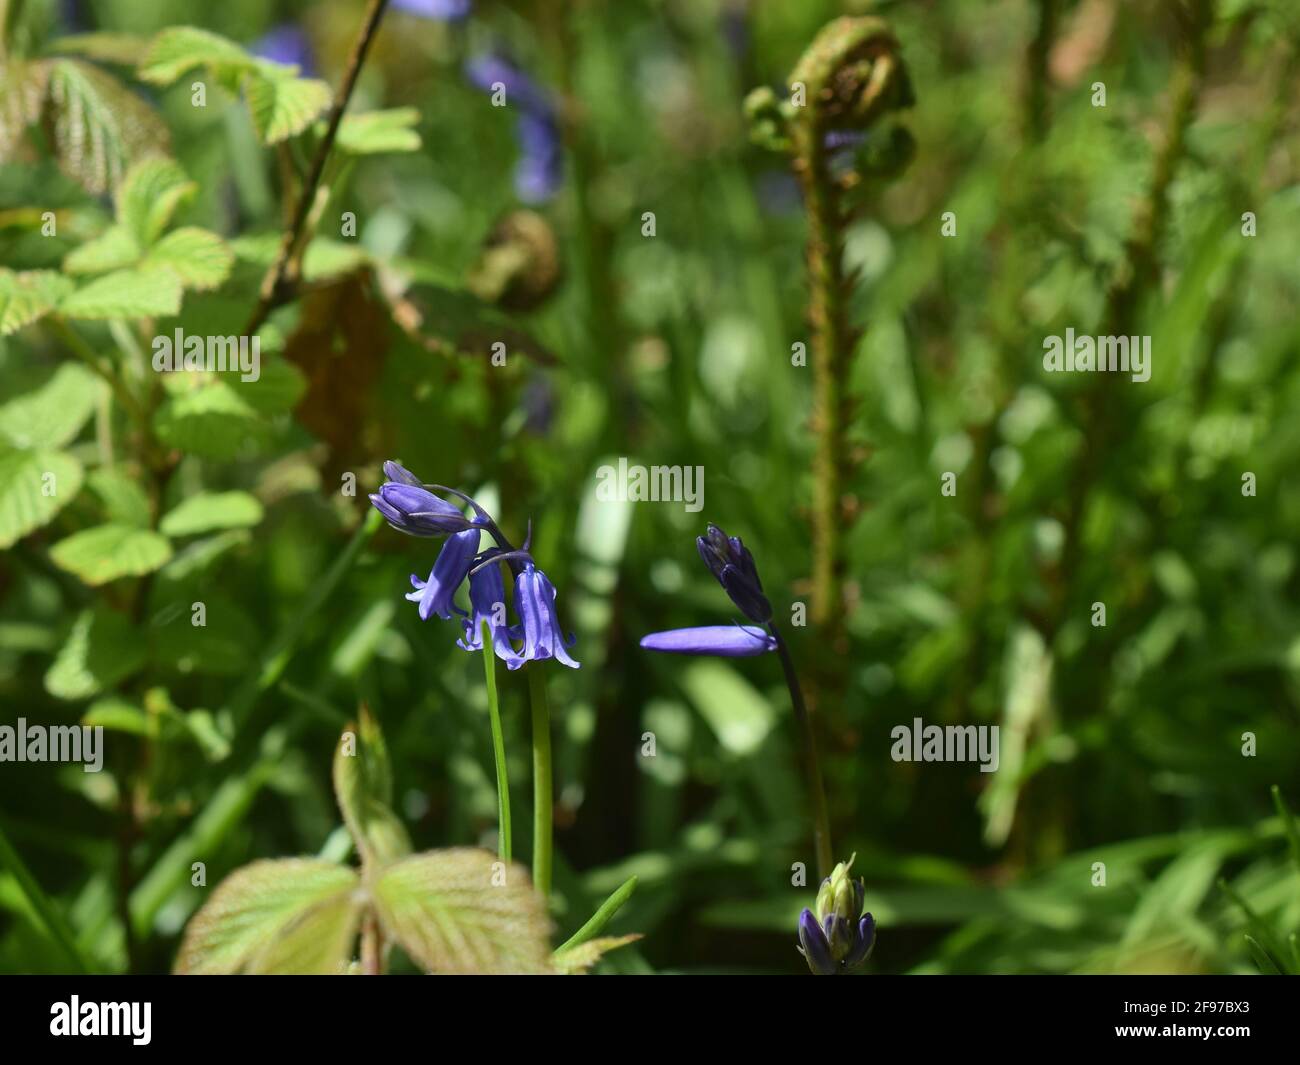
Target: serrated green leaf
x: 212, y: 422
x: 99, y: 126
x: 363, y: 787
x: 379, y: 131
x: 125, y: 500
x: 179, y: 49
x: 107, y: 552
x: 53, y: 414
x: 102, y: 650
x: 150, y: 193
x: 34, y: 486
x: 267, y: 917
x: 212, y: 510
x: 114, y: 249
x: 585, y: 955
x: 463, y: 911
x: 199, y: 258
x: 28, y: 296
x: 140, y: 293
x: 23, y: 85
x: 282, y: 105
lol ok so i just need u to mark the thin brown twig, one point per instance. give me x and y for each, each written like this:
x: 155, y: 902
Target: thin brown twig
x: 272, y: 293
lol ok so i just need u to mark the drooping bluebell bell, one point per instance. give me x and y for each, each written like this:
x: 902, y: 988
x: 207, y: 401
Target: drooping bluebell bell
x: 733, y: 566
x: 540, y: 169
x: 535, y: 603
x: 450, y: 569
x: 487, y: 599
x: 839, y: 937
x: 413, y: 507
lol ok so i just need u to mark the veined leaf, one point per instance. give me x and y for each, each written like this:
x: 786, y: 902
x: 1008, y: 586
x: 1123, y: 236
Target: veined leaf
x: 34, y: 486
x: 212, y: 421
x: 462, y: 911
x: 23, y: 85
x: 28, y: 296
x: 281, y: 104
x: 53, y: 414
x: 114, y: 249
x: 212, y: 510
x: 137, y: 293
x: 107, y: 552
x: 179, y: 49
x: 199, y: 258
x: 102, y: 649
x: 149, y: 196
x: 100, y: 127
x: 271, y: 916
x: 379, y: 131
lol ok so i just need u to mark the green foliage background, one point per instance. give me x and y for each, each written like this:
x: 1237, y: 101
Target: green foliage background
x: 1121, y: 744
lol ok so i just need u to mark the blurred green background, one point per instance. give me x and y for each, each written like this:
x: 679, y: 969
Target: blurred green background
x: 1120, y: 744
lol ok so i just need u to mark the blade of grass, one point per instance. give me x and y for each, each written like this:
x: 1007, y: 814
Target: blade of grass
x: 55, y: 924
x: 601, y: 917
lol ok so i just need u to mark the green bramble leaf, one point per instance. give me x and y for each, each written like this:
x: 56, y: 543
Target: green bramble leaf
x: 149, y: 196
x: 199, y: 258
x: 463, y: 911
x: 363, y: 787
x: 28, y: 296
x: 379, y: 131
x: 133, y: 293
x: 34, y: 487
x: 99, y: 126
x: 208, y: 511
x: 212, y: 421
x: 295, y: 915
x: 175, y: 51
x: 101, y: 651
x: 106, y: 552
x: 125, y: 501
x: 281, y: 104
x: 52, y: 415
x: 114, y: 249
x: 23, y: 85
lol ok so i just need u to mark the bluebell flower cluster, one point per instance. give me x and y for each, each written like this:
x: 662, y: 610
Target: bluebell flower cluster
x: 838, y: 937
x: 540, y: 169
x: 418, y: 509
x: 733, y: 567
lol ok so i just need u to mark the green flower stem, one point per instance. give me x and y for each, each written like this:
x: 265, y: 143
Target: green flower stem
x: 542, y: 800
x: 812, y: 766
x: 601, y: 917
x: 498, y: 746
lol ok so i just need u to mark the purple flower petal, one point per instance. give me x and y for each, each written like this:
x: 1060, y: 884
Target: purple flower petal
x: 729, y: 641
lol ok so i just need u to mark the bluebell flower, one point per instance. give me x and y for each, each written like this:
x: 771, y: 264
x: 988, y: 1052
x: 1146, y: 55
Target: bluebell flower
x: 411, y: 508
x: 487, y: 599
x: 450, y: 569
x: 535, y: 604
x: 733, y: 566
x: 731, y: 563
x: 287, y: 44
x: 839, y: 937
x: 539, y: 171
x: 441, y: 10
